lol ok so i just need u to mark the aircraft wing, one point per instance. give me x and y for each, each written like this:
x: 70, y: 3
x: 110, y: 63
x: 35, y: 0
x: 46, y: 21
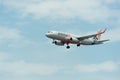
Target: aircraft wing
x: 93, y: 35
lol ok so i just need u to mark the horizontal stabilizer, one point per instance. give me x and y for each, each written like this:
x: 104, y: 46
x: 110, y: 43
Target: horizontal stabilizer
x: 102, y: 41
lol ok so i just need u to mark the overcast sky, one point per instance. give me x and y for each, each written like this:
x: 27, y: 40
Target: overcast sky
x: 26, y: 53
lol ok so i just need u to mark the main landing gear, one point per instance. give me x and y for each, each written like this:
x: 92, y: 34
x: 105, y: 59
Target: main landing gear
x: 68, y: 47
x: 78, y: 45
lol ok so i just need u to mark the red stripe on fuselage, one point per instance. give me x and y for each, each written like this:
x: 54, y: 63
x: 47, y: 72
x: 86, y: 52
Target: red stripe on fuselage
x: 69, y: 41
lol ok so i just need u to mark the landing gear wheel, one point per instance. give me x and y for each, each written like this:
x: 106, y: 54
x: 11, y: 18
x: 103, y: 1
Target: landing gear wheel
x: 78, y: 45
x: 68, y: 47
x: 53, y: 41
x: 93, y: 43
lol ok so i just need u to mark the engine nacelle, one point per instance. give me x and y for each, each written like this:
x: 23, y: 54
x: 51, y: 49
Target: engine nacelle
x: 58, y: 42
x: 68, y: 38
x: 89, y: 41
x: 72, y: 39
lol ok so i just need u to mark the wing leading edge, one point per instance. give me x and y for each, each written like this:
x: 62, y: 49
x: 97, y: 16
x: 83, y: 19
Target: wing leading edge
x: 94, y: 35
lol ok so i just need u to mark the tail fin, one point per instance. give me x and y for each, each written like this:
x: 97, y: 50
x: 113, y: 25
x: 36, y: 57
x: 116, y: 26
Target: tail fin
x: 100, y: 32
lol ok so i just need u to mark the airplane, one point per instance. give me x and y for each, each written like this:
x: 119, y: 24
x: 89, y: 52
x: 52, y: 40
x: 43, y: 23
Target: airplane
x: 61, y: 38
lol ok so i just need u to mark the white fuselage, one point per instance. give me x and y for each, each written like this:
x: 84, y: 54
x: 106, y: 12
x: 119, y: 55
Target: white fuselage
x: 68, y: 38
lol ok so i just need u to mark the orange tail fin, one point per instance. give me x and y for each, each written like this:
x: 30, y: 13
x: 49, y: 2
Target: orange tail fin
x: 100, y: 32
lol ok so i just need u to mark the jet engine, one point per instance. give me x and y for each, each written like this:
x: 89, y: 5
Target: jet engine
x: 58, y: 42
x: 92, y: 41
x: 73, y: 39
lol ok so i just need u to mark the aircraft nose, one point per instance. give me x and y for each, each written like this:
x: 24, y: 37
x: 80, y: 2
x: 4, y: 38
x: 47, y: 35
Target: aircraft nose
x: 47, y: 34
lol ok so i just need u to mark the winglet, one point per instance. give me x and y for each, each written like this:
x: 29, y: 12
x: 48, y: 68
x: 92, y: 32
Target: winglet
x: 104, y: 30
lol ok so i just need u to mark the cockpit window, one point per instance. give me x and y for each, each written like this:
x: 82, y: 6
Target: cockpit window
x: 52, y: 32
x: 48, y: 31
